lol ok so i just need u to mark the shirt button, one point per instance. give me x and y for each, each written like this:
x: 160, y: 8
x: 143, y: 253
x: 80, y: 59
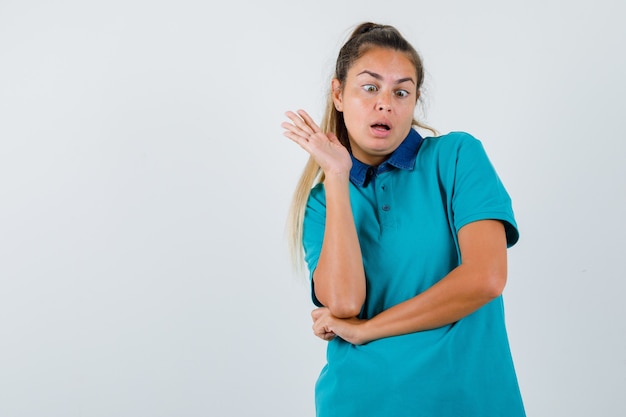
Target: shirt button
x: 386, y: 207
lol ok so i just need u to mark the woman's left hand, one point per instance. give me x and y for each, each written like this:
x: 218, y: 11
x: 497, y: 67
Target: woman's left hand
x: 326, y: 327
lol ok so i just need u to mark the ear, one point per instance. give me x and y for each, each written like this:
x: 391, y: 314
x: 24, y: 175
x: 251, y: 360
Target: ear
x: 337, y: 94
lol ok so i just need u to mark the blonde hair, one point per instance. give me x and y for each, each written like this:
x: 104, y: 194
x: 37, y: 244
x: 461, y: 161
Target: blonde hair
x: 363, y: 38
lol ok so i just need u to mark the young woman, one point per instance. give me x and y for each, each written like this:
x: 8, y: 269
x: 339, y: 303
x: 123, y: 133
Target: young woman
x: 406, y: 242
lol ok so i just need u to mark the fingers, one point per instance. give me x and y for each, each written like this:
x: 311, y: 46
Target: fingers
x: 323, y: 333
x: 321, y: 324
x: 302, y: 123
x: 324, y: 148
x: 329, y: 336
x: 301, y: 128
x: 318, y: 312
x: 309, y: 121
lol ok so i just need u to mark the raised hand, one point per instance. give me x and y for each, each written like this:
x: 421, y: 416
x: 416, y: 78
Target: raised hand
x: 325, y: 149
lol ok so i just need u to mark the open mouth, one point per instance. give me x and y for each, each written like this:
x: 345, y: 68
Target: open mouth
x: 380, y: 126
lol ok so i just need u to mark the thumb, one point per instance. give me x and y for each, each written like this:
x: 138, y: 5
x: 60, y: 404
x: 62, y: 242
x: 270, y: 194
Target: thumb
x: 316, y: 313
x: 333, y: 138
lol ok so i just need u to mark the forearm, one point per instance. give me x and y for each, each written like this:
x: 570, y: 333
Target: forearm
x: 457, y: 295
x: 478, y: 280
x: 339, y: 277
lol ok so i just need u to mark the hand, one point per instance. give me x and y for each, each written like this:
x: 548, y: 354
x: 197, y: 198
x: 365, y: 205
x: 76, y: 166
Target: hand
x: 325, y: 149
x: 326, y: 327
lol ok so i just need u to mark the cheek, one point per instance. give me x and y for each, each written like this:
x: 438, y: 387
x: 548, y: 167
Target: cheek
x: 349, y: 121
x: 354, y: 121
x: 352, y: 113
x: 408, y: 112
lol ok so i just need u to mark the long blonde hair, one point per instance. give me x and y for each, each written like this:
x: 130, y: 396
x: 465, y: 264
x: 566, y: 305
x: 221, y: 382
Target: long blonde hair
x: 363, y: 38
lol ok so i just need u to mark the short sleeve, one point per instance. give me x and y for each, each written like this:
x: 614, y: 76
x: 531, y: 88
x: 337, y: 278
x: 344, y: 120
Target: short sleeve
x: 478, y: 193
x: 313, y: 232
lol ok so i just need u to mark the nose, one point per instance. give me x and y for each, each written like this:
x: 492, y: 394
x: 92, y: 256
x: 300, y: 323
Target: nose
x: 384, y: 102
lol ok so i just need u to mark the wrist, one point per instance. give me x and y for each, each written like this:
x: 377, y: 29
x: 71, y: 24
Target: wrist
x: 337, y: 176
x: 336, y: 182
x: 364, y: 333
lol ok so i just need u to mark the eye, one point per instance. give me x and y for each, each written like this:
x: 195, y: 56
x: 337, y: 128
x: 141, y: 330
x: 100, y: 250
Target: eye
x: 370, y: 88
x: 402, y: 93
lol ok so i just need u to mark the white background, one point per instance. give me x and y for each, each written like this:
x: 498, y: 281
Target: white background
x: 144, y: 184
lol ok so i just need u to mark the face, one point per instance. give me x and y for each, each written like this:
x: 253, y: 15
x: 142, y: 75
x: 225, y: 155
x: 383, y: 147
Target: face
x: 378, y: 100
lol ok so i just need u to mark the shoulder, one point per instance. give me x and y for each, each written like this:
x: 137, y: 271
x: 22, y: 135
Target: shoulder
x: 452, y: 140
x: 451, y: 148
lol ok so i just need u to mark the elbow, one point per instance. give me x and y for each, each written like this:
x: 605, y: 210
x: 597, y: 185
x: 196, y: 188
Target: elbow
x: 342, y: 307
x: 493, y: 285
x: 345, y: 310
x: 345, y: 307
x: 343, y: 301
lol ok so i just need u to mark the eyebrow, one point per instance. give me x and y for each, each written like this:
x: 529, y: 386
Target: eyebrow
x: 380, y: 77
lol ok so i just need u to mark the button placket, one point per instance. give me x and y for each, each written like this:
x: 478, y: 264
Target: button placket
x: 387, y: 217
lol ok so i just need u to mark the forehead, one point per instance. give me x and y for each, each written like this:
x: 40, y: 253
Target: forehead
x: 384, y: 61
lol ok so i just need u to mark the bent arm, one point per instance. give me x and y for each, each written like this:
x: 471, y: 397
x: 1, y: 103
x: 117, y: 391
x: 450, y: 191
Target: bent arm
x: 479, y: 279
x: 339, y: 279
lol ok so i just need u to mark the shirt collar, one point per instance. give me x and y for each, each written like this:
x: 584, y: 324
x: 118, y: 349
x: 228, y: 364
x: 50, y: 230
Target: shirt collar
x: 403, y: 158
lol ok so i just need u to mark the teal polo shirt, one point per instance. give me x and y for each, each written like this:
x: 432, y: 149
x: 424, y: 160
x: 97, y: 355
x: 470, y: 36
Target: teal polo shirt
x: 407, y: 213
